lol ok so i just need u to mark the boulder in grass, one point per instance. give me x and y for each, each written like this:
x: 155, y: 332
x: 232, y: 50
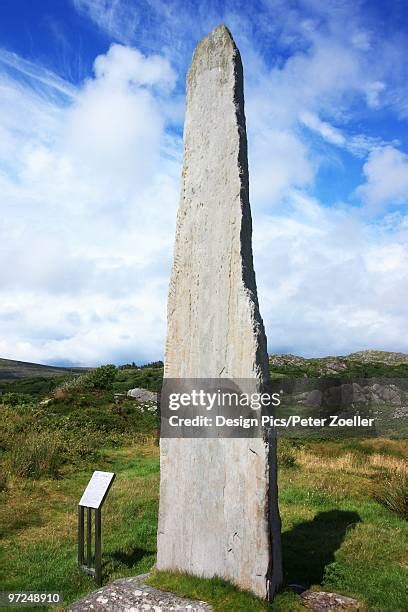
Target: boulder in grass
x: 142, y: 395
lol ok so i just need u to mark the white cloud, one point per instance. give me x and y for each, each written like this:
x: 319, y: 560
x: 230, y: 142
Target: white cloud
x: 119, y: 19
x: 122, y: 66
x: 330, y: 282
x: 330, y: 72
x: 90, y: 187
x: 386, y: 172
x: 41, y: 75
x: 107, y: 130
x: 87, y: 329
x: 373, y: 92
x: 279, y: 160
x: 326, y: 131
x: 88, y: 210
x: 358, y: 144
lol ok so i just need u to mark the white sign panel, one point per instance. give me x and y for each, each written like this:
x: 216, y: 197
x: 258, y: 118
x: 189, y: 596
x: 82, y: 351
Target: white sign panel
x: 97, y: 489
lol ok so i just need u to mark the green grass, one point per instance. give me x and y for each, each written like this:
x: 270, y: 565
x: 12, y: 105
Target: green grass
x: 337, y: 534
x: 39, y: 518
x: 220, y: 594
x: 34, y: 387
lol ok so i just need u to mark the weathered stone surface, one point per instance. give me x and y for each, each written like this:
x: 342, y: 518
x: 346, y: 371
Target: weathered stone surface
x: 131, y: 595
x: 218, y: 497
x: 142, y: 395
x: 320, y: 601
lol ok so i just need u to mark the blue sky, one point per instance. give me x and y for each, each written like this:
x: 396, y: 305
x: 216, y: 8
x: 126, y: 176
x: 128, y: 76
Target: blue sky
x: 91, y: 116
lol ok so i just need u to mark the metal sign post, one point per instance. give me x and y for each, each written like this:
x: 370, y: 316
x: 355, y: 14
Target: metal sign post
x: 92, y: 499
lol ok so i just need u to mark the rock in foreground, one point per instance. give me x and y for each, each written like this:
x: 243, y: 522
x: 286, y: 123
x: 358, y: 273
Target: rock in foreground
x: 131, y: 595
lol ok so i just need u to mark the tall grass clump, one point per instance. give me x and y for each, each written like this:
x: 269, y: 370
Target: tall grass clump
x: 3, y: 481
x: 39, y: 456
x: 100, y: 378
x: 75, y: 383
x: 392, y: 493
x: 287, y: 453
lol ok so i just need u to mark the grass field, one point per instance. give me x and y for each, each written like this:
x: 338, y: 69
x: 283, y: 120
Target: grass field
x: 342, y: 503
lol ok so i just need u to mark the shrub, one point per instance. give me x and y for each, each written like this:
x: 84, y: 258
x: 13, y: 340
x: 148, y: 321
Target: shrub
x: 37, y: 456
x: 82, y: 444
x: 74, y: 383
x: 12, y: 399
x: 100, y: 378
x: 153, y: 364
x: 103, y: 377
x: 393, y: 493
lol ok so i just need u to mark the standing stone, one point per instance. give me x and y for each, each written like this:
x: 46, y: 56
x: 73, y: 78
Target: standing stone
x: 218, y: 497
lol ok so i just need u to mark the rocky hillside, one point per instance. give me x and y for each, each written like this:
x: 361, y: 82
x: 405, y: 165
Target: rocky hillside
x: 373, y: 383
x: 363, y: 364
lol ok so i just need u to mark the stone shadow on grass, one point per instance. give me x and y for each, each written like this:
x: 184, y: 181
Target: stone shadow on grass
x: 129, y: 559
x: 310, y: 546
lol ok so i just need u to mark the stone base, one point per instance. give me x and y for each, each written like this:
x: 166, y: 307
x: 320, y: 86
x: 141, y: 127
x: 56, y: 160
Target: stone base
x: 320, y: 601
x: 131, y: 595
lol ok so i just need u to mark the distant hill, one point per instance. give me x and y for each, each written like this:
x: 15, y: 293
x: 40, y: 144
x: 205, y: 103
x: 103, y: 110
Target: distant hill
x: 379, y: 356
x: 364, y: 363
x: 14, y: 370
x: 361, y: 364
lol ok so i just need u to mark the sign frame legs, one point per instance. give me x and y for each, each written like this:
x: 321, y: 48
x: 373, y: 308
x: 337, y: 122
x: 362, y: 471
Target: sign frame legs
x: 98, y: 546
x: 95, y: 571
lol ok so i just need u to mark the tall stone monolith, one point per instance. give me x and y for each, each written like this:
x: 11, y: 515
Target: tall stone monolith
x: 218, y: 497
